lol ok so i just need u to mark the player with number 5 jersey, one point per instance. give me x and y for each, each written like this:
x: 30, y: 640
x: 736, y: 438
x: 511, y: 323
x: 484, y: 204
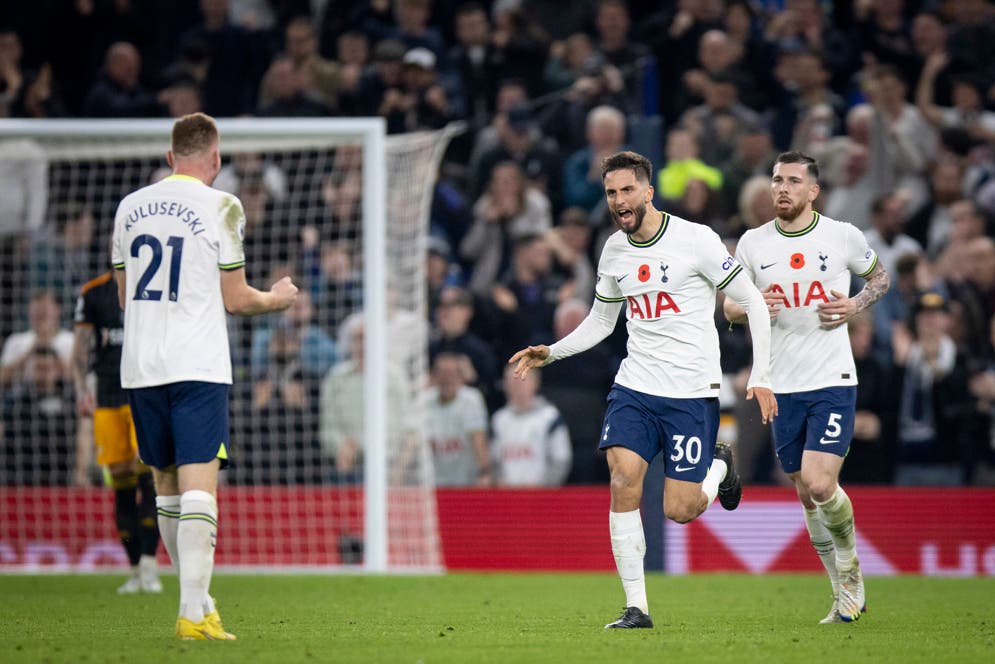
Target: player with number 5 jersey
x: 179, y: 265
x: 665, y: 272
x: 802, y: 263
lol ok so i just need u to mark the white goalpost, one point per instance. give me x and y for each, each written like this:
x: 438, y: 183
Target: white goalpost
x: 330, y: 468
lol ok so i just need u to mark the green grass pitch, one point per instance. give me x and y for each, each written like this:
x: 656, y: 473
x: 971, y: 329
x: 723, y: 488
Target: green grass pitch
x: 499, y: 618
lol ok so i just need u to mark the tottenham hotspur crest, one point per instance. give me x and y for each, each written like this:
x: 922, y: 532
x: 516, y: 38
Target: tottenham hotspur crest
x: 663, y: 269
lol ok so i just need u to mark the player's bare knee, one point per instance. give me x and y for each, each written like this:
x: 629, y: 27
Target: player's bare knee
x: 680, y: 513
x: 819, y: 486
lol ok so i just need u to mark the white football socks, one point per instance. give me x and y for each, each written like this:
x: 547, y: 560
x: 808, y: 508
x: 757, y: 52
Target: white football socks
x: 195, y: 541
x: 713, y: 478
x: 629, y: 547
x: 168, y: 511
x: 822, y: 542
x: 837, y: 516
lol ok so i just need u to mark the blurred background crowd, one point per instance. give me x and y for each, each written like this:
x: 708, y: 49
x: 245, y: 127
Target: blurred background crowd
x: 895, y: 98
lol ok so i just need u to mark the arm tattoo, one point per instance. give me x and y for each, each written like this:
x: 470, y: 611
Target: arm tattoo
x: 876, y: 286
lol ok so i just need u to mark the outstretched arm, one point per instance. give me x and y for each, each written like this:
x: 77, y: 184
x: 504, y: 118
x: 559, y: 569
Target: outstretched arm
x: 599, y: 324
x: 745, y: 295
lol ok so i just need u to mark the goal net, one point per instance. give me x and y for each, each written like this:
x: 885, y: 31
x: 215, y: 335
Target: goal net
x: 329, y: 465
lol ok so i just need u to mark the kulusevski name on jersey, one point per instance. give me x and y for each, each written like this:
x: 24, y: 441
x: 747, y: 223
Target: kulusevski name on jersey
x: 667, y: 285
x: 181, y: 211
x: 803, y: 268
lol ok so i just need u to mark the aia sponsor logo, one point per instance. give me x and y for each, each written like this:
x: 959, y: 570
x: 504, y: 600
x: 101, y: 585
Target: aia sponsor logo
x: 650, y: 306
x: 798, y: 295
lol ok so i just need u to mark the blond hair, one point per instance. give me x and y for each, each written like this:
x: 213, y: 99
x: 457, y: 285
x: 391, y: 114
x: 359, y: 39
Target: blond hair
x: 194, y: 134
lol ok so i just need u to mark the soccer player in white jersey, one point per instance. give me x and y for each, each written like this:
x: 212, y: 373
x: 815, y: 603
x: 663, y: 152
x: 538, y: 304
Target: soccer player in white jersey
x: 802, y: 263
x: 179, y: 264
x: 665, y: 271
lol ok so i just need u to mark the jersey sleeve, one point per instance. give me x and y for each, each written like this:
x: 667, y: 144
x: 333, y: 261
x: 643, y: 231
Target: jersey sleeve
x: 743, y: 257
x: 231, y: 254
x: 606, y: 288
x: 860, y: 258
x: 714, y: 261
x: 117, y: 251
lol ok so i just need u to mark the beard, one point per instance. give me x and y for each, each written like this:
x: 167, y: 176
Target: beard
x: 791, y: 213
x: 638, y: 213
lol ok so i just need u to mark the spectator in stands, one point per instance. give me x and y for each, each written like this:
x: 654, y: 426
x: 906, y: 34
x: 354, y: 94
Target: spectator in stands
x: 885, y: 36
x: 684, y: 165
x: 353, y: 54
x: 568, y: 60
x: 599, y: 84
x: 909, y: 140
x: 341, y: 410
x: 452, y: 334
x: 754, y: 155
x: 808, y: 111
x: 982, y: 386
x: 507, y: 211
x: 582, y: 184
x: 457, y: 425
x: 612, y: 24
x: 930, y: 224
x: 522, y: 45
x: 421, y: 102
x: 570, y: 241
x: 45, y: 331
x: 857, y: 169
x: 967, y: 110
x: 39, y: 426
x: 313, y: 349
x: 754, y: 206
x: 886, y: 236
x: 576, y: 387
x: 871, y: 459
x: 408, y: 24
x: 440, y: 271
x: 719, y: 120
x: 287, y: 88
x: 333, y: 279
x: 804, y: 24
x: 380, y: 77
x: 511, y: 93
x: 520, y: 141
x: 320, y: 78
x: 233, y: 60
x: 527, y: 295
x: 474, y: 61
x: 62, y: 259
x: 757, y: 55
x: 929, y: 36
x: 531, y: 443
x: 24, y: 92
x: 252, y: 165
x: 119, y: 93
x: 182, y: 97
x: 936, y: 413
x: 719, y: 56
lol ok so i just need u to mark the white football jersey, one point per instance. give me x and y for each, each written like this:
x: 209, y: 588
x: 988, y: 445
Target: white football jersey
x: 173, y: 239
x: 804, y: 267
x: 667, y: 286
x: 449, y: 427
x: 531, y: 448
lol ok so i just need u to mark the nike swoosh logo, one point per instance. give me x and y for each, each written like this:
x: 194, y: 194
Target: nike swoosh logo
x: 764, y: 267
x: 823, y: 441
x: 619, y: 279
x: 679, y: 469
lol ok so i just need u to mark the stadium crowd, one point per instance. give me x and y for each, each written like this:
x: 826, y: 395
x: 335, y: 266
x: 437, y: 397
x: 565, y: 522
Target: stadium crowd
x: 896, y: 99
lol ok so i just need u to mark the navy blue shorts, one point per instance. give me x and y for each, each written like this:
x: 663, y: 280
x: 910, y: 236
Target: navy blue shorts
x: 181, y: 423
x: 819, y: 420
x: 684, y: 429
